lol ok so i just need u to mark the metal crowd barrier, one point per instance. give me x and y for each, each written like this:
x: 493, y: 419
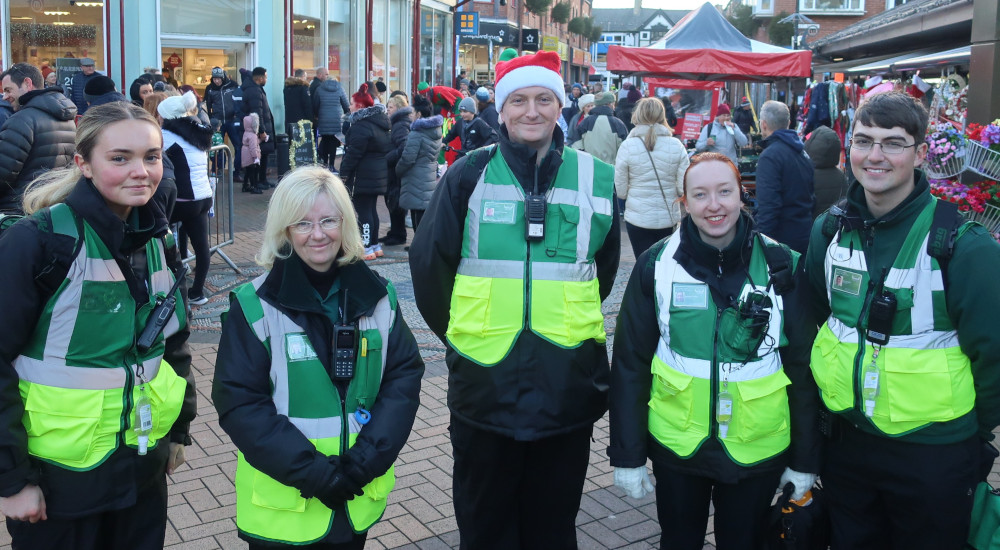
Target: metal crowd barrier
x: 221, y: 231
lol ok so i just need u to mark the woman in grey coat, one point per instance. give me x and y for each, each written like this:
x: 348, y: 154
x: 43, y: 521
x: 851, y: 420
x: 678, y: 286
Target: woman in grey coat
x: 417, y: 166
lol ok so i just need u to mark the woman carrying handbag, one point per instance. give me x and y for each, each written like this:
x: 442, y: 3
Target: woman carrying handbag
x: 649, y: 173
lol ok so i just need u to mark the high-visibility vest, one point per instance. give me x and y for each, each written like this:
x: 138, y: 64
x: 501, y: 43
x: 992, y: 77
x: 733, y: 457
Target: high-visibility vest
x: 303, y: 391
x: 699, y: 354
x: 923, y: 375
x: 505, y: 283
x: 80, y: 371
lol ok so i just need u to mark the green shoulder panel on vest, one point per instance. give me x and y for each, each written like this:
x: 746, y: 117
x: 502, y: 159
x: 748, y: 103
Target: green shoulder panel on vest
x: 253, y: 310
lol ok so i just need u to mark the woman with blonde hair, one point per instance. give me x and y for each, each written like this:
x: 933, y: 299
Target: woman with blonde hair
x: 96, y: 395
x: 318, y: 377
x: 649, y: 172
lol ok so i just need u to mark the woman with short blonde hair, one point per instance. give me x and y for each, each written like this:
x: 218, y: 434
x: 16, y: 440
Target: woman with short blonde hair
x: 318, y: 377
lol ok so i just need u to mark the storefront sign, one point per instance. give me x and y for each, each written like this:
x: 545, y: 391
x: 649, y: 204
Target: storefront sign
x: 499, y: 34
x: 577, y: 56
x: 467, y: 23
x: 529, y: 40
x: 563, y: 49
x: 333, y: 58
x: 550, y: 43
x: 692, y: 126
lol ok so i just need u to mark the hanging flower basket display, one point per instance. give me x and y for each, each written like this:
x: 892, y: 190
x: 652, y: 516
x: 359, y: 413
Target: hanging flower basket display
x: 979, y: 202
x: 983, y: 154
x: 946, y: 152
x: 989, y: 217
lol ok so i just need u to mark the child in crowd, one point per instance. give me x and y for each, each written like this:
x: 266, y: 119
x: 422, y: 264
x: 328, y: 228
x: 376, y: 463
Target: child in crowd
x: 250, y: 154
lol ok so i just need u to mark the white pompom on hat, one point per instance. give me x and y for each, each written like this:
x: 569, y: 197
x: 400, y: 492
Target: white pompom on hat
x: 178, y: 106
x: 540, y: 69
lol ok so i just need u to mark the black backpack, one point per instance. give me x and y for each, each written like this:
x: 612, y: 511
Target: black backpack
x: 792, y: 526
x: 58, y: 219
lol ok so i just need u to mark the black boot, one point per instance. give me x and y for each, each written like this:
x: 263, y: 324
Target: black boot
x: 256, y: 190
x: 247, y: 187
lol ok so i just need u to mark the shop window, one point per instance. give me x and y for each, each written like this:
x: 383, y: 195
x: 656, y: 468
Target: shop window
x: 53, y: 35
x: 208, y: 17
x: 380, y: 24
x: 435, y: 47
x: 397, y: 50
x: 763, y: 7
x: 338, y: 17
x: 832, y: 5
x: 307, y: 37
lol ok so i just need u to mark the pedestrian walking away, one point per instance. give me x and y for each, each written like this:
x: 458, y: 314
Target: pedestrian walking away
x: 710, y: 374
x: 316, y: 449
x: 97, y: 401
x: 906, y: 359
x: 514, y: 291
x: 363, y: 168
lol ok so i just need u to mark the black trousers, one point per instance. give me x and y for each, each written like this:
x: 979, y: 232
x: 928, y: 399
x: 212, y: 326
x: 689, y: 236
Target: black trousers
x: 642, y: 238
x: 139, y: 527
x: 890, y: 494
x: 682, y: 506
x: 367, y: 218
x: 328, y: 150
x: 357, y: 544
x: 193, y: 216
x: 517, y: 495
x: 415, y: 217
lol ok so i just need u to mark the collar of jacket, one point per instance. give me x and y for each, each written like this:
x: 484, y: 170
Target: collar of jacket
x: 436, y: 121
x: 522, y: 160
x: 706, y: 256
x: 640, y: 131
x: 367, y: 112
x: 295, y: 81
x: 288, y: 286
x: 400, y: 113
x: 599, y: 110
x: 144, y: 223
x: 904, y: 211
x: 191, y: 130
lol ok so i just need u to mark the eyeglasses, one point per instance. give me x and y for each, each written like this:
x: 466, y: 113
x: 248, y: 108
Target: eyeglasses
x: 305, y: 227
x: 888, y: 147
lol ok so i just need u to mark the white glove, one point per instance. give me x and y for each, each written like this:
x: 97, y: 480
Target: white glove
x: 801, y: 482
x: 634, y: 481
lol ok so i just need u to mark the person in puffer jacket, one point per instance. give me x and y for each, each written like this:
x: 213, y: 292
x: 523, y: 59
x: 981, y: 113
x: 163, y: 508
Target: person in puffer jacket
x: 250, y: 154
x: 363, y: 168
x: 329, y: 105
x: 829, y: 183
x: 186, y: 141
x: 649, y: 176
x: 417, y: 167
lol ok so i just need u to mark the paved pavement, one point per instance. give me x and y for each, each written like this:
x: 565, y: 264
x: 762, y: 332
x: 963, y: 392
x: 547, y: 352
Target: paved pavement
x: 420, y: 514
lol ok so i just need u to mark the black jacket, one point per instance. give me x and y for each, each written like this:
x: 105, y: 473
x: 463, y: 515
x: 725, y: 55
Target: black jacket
x: 829, y: 183
x: 637, y: 335
x: 76, y: 88
x: 27, y: 249
x: 744, y: 119
x: 298, y: 105
x: 400, y: 128
x: 40, y: 136
x: 473, y: 134
x: 785, y: 190
x: 225, y: 102
x: 242, y: 387
x: 539, y: 389
x: 255, y: 101
x: 363, y: 167
x: 490, y: 115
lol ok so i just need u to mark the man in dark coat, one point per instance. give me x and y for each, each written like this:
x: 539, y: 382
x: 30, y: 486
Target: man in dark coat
x: 743, y: 117
x: 39, y: 136
x: 298, y: 105
x: 255, y: 101
x: 784, y: 181
x: 79, y: 82
x: 224, y: 101
x: 6, y: 109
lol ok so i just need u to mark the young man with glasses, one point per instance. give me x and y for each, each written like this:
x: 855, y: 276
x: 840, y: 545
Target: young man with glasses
x: 906, y: 357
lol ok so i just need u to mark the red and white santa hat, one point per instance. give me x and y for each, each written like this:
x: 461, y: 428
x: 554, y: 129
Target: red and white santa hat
x: 540, y: 69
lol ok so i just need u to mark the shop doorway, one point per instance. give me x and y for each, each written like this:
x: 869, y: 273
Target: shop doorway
x: 192, y: 62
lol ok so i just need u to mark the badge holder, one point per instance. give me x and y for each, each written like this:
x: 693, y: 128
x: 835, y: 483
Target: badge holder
x: 724, y: 409
x: 880, y: 315
x: 143, y: 420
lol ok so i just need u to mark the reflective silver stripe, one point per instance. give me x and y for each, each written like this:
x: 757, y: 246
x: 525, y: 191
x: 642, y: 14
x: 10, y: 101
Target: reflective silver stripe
x: 486, y: 191
x: 318, y: 428
x: 935, y: 339
x: 551, y: 271
x: 924, y: 280
x: 102, y: 270
x: 493, y: 269
x: 843, y: 257
x: 558, y: 195
x: 78, y: 378
x: 732, y: 372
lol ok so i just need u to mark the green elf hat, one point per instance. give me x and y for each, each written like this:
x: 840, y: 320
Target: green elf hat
x: 508, y: 54
x: 422, y: 86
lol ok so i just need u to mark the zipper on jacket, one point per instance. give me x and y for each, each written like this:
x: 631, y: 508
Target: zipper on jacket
x: 713, y: 378
x: 859, y: 357
x: 527, y: 264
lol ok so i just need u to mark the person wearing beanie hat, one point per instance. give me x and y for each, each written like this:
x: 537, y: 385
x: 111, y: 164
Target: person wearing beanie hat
x: 422, y: 86
x: 178, y: 106
x: 572, y: 103
x: 100, y: 90
x: 487, y: 109
x: 722, y: 136
x: 468, y: 105
x: 78, y: 85
x: 586, y: 103
x: 472, y: 131
x: 224, y: 101
x: 510, y: 232
x: 744, y: 117
x: 601, y: 133
x: 363, y: 167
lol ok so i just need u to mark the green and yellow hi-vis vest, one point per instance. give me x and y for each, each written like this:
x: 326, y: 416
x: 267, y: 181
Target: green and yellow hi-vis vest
x: 79, y: 369
x: 692, y: 358
x: 923, y: 375
x: 303, y: 391
x: 505, y: 283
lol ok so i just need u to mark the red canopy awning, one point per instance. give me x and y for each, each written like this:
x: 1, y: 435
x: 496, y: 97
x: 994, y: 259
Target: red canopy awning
x: 709, y: 64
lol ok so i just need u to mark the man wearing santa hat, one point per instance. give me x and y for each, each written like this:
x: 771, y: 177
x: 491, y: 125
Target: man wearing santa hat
x: 517, y: 250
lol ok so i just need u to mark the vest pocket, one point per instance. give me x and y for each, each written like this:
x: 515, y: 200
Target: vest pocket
x: 584, y: 319
x: 62, y: 424
x: 561, y: 229
x: 762, y: 407
x: 268, y: 493
x: 672, y: 398
x: 918, y: 386
x: 470, y: 303
x: 830, y: 362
